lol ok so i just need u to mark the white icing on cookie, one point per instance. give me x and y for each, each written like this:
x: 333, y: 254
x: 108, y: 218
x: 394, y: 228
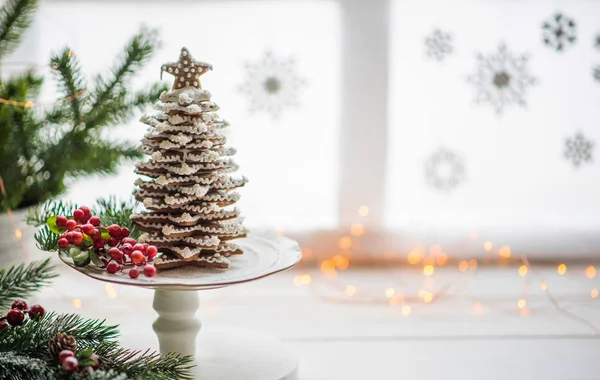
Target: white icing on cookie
x: 204, y: 208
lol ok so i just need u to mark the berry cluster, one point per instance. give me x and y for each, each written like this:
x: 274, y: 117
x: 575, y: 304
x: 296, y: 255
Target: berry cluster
x: 85, y: 360
x: 17, y: 313
x: 85, y: 240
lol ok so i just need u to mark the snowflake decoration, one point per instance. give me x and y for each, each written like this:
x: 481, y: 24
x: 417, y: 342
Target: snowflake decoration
x: 445, y: 170
x: 272, y: 85
x: 597, y: 42
x: 596, y: 73
x: 501, y: 79
x: 559, y: 32
x: 439, y: 45
x: 578, y: 149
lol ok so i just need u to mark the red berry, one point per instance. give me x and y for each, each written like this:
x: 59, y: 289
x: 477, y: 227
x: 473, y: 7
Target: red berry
x: 65, y: 354
x: 15, y: 317
x: 95, y: 221
x: 78, y: 214
x: 77, y: 238
x: 112, y: 267
x: 99, y: 243
x: 139, y: 247
x: 36, y: 312
x: 3, y: 325
x: 125, y: 232
x: 149, y: 270
x: 134, y: 273
x: 19, y: 304
x: 127, y: 248
x: 61, y: 221
x: 63, y: 243
x: 86, y: 212
x: 71, y: 224
x: 114, y: 231
x: 96, y: 235
x: 151, y: 251
x: 137, y: 257
x: 115, y: 253
x: 87, y: 229
x: 70, y: 364
x: 113, y: 242
x: 129, y: 241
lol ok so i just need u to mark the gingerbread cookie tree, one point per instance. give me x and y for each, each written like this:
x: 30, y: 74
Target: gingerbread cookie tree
x: 188, y: 193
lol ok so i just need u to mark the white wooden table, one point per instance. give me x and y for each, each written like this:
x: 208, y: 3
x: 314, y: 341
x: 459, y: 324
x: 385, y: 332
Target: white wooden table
x: 479, y: 333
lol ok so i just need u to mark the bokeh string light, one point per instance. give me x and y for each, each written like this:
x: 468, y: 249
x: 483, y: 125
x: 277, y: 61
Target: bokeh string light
x: 336, y: 289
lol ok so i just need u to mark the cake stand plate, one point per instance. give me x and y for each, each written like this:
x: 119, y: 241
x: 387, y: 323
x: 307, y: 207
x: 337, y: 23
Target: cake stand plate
x: 221, y: 353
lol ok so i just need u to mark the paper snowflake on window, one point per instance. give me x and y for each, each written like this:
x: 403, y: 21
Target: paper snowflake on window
x: 596, y: 73
x: 445, y: 170
x: 559, y: 32
x: 578, y: 149
x: 501, y: 79
x: 439, y: 45
x: 272, y: 85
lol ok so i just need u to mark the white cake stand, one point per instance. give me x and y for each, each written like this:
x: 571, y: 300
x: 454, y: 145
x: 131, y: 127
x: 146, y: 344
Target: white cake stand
x: 221, y: 353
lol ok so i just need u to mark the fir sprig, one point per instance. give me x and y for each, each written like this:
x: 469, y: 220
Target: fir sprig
x: 31, y: 341
x: 15, y: 17
x: 112, y: 211
x: 20, y: 367
x: 22, y: 280
x: 139, y: 49
x: 146, y: 364
x: 39, y: 151
x: 67, y: 70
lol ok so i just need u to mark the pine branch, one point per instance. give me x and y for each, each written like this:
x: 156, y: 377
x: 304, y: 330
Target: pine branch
x: 112, y: 212
x: 137, y: 51
x: 123, y: 106
x: 32, y: 337
x: 15, y: 17
x: 147, y: 364
x: 18, y: 367
x: 20, y: 281
x: 68, y: 73
x: 46, y: 240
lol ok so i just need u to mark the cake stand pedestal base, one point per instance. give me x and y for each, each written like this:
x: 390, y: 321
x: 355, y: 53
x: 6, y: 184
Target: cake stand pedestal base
x: 221, y: 353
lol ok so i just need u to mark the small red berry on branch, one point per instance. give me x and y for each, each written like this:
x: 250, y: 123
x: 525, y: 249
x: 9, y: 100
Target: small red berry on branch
x: 4, y: 325
x: 61, y: 221
x: 63, y: 243
x: 134, y: 273
x: 87, y: 229
x: 15, y: 317
x: 77, y: 238
x: 78, y: 215
x: 95, y: 221
x: 112, y: 267
x: 137, y: 257
x: 36, y: 312
x: 149, y: 270
x: 114, y: 230
x: 64, y: 354
x: 70, y: 364
x: 71, y: 224
x: 115, y: 253
x: 19, y: 304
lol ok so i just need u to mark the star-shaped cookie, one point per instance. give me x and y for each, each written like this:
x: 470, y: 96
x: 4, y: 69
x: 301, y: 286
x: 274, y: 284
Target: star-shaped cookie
x: 186, y: 71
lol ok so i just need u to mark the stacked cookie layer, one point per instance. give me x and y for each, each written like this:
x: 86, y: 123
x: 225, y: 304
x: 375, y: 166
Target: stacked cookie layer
x: 188, y: 191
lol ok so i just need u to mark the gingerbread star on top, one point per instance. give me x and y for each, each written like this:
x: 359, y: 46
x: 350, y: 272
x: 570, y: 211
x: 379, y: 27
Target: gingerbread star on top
x: 186, y: 71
